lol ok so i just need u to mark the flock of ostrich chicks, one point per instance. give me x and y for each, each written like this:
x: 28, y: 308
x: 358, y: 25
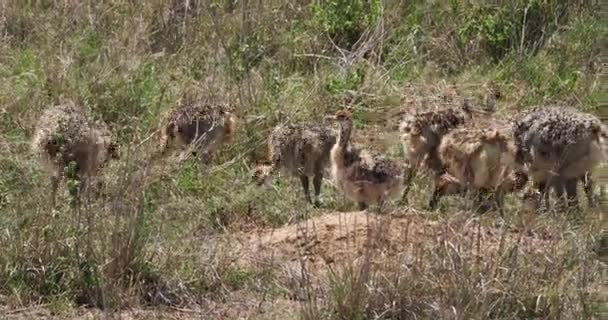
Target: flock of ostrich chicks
x: 467, y: 152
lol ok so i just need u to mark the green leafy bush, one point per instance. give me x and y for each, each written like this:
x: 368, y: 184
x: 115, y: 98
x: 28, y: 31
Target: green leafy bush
x: 345, y: 20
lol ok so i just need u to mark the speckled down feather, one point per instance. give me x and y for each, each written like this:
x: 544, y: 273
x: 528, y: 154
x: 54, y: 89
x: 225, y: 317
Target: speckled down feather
x: 464, y: 142
x: 438, y: 120
x: 206, y: 123
x: 421, y: 132
x: 363, y: 165
x: 478, y: 157
x: 64, y: 134
x: 197, y: 118
x: 558, y: 133
x: 488, y: 152
x: 362, y: 176
x: 301, y: 149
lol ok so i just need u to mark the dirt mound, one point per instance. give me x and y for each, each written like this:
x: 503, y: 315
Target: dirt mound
x: 343, y: 236
x: 336, y: 236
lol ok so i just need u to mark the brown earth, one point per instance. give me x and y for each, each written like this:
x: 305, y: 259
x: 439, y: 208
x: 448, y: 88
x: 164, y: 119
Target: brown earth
x: 338, y: 237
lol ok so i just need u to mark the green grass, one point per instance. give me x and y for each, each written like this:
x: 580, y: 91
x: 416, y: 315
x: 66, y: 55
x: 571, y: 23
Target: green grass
x: 168, y: 229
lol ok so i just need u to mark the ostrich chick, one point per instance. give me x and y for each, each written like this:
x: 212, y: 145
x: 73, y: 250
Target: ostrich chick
x: 65, y: 134
x: 298, y: 150
x: 363, y: 177
x: 203, y: 125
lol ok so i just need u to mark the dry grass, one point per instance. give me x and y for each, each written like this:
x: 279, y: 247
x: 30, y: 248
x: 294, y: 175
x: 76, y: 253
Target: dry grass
x: 163, y: 239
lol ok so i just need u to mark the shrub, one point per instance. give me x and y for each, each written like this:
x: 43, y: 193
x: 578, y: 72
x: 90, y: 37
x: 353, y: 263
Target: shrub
x: 345, y: 20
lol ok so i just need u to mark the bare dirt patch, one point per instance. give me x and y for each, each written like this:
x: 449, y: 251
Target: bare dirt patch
x: 338, y: 237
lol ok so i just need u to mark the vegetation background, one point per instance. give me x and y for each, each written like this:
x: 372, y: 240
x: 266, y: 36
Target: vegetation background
x: 160, y: 235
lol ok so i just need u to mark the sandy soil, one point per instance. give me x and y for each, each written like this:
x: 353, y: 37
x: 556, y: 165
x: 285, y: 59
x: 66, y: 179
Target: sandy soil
x: 338, y: 237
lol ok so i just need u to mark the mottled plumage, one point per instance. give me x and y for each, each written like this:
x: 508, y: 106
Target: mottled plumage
x: 64, y: 134
x: 301, y: 151
x: 478, y: 159
x: 560, y: 145
x: 555, y: 132
x: 362, y: 176
x: 422, y: 131
x: 203, y: 124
